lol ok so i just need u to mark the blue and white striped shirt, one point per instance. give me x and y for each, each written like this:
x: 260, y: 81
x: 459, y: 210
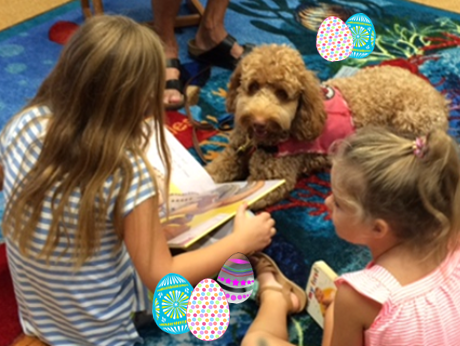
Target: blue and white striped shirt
x: 91, y: 306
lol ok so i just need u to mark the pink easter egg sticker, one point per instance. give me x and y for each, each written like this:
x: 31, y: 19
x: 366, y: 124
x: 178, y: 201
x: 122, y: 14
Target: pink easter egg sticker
x: 326, y: 40
x: 208, y: 312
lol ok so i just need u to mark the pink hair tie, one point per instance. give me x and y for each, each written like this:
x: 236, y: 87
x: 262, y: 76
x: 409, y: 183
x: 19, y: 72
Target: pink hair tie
x: 419, y: 147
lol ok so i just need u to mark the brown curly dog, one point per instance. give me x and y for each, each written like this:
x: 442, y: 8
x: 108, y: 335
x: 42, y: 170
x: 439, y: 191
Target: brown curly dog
x: 284, y: 118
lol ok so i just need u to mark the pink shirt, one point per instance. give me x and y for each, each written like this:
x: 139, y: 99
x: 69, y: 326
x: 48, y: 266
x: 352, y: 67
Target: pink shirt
x: 339, y: 125
x: 423, y: 313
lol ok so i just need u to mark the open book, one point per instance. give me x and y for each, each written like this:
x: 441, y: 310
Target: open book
x: 197, y: 205
x: 320, y: 290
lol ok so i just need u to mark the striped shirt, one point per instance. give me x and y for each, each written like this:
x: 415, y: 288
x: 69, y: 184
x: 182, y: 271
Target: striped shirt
x: 423, y: 313
x: 91, y: 306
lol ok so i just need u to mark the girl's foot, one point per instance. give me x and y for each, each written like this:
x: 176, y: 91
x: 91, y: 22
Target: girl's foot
x: 273, y: 284
x: 272, y: 289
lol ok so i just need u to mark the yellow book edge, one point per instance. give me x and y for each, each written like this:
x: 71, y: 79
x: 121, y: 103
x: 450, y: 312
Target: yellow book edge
x: 324, y: 273
x: 229, y: 216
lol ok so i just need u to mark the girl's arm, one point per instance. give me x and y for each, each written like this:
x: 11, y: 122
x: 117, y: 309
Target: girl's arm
x: 328, y: 325
x: 1, y: 178
x: 149, y: 251
x: 348, y: 317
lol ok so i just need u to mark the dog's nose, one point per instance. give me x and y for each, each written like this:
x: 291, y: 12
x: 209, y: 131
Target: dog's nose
x: 259, y: 127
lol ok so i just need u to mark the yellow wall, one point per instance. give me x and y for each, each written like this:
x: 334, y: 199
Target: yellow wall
x: 16, y: 11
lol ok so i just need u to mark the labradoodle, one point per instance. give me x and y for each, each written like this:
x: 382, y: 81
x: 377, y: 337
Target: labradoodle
x: 285, y: 119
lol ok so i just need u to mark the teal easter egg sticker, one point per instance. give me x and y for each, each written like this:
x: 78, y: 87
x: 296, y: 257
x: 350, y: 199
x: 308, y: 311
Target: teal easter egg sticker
x: 363, y: 32
x: 170, y: 304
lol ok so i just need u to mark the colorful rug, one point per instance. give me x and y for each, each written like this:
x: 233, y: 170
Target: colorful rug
x: 419, y: 38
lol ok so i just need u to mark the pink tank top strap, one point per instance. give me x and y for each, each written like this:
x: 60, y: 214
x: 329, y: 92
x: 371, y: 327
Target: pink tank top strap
x: 375, y: 283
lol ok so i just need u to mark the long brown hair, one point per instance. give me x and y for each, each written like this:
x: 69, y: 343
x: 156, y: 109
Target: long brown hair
x: 416, y: 190
x: 109, y: 76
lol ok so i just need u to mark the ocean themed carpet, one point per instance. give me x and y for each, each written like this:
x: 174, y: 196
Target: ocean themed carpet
x: 421, y: 39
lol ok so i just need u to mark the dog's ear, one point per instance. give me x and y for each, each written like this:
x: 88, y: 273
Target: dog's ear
x: 235, y: 81
x: 311, y: 116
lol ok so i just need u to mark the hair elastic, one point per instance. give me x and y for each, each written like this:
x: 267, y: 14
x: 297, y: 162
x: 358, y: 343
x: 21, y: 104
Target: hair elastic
x: 420, y: 147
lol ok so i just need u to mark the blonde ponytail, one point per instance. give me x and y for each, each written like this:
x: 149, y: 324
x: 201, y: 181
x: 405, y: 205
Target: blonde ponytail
x: 412, y: 183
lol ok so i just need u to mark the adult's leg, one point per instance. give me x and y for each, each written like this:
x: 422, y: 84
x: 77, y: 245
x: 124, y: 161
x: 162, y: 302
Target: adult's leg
x: 270, y: 325
x: 212, y: 29
x: 164, y: 14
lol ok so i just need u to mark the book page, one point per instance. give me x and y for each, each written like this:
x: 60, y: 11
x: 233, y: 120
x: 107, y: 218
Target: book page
x: 187, y: 174
x: 197, y: 205
x: 218, y: 234
x: 210, y: 210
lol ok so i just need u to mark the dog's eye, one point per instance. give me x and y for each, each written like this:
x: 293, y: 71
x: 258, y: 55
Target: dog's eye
x: 253, y: 87
x: 281, y: 94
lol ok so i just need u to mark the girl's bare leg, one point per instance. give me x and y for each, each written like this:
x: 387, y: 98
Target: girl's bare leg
x: 270, y: 326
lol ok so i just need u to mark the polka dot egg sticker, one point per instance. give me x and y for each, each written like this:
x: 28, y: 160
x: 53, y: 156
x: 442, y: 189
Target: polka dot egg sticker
x: 170, y: 303
x: 208, y: 313
x: 334, y: 40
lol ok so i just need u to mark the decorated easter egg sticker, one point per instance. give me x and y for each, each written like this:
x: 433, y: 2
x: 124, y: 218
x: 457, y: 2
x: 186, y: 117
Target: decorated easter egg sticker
x: 363, y: 32
x: 170, y: 303
x: 236, y: 278
x: 208, y: 312
x: 334, y: 41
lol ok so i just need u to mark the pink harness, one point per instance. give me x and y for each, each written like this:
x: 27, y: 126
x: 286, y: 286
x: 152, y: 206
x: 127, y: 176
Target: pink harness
x: 339, y: 125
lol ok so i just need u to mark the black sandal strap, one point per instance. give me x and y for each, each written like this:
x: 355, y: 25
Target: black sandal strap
x: 173, y: 63
x: 175, y: 84
x: 247, y: 48
x: 220, y: 55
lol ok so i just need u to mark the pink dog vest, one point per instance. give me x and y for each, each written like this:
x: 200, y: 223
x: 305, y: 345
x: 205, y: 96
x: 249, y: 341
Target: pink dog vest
x: 339, y: 124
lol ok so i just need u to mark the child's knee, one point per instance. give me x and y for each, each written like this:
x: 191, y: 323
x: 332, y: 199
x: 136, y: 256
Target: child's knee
x: 255, y: 339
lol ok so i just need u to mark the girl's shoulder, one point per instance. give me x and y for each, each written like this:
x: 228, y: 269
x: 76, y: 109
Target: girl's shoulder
x: 29, y: 123
x: 374, y: 282
x: 28, y: 117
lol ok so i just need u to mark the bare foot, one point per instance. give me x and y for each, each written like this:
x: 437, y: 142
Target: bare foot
x: 267, y: 279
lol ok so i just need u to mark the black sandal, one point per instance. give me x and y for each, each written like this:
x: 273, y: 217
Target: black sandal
x: 220, y: 54
x: 175, y: 84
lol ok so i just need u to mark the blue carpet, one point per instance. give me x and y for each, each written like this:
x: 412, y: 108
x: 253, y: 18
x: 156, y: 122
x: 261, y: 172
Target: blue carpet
x: 423, y: 39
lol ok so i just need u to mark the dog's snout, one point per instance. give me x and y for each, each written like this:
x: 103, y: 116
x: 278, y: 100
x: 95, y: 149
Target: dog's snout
x: 259, y: 126
x: 258, y: 123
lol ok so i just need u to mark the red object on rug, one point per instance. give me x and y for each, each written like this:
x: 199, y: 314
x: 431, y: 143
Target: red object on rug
x: 61, y: 31
x: 9, y: 320
x: 180, y: 127
x: 410, y: 64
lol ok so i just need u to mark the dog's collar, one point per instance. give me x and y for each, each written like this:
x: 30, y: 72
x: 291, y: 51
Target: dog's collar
x: 249, y: 147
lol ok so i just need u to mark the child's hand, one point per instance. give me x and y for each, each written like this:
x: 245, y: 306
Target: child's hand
x: 255, y: 232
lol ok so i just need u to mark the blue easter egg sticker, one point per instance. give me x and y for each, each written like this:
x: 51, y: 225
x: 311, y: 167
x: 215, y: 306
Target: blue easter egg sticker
x: 363, y: 32
x: 170, y: 304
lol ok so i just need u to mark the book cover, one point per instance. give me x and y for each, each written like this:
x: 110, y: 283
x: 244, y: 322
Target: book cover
x: 320, y: 290
x: 218, y: 234
x: 197, y: 205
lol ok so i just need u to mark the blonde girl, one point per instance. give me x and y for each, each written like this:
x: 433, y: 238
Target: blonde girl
x: 81, y: 220
x: 399, y: 196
